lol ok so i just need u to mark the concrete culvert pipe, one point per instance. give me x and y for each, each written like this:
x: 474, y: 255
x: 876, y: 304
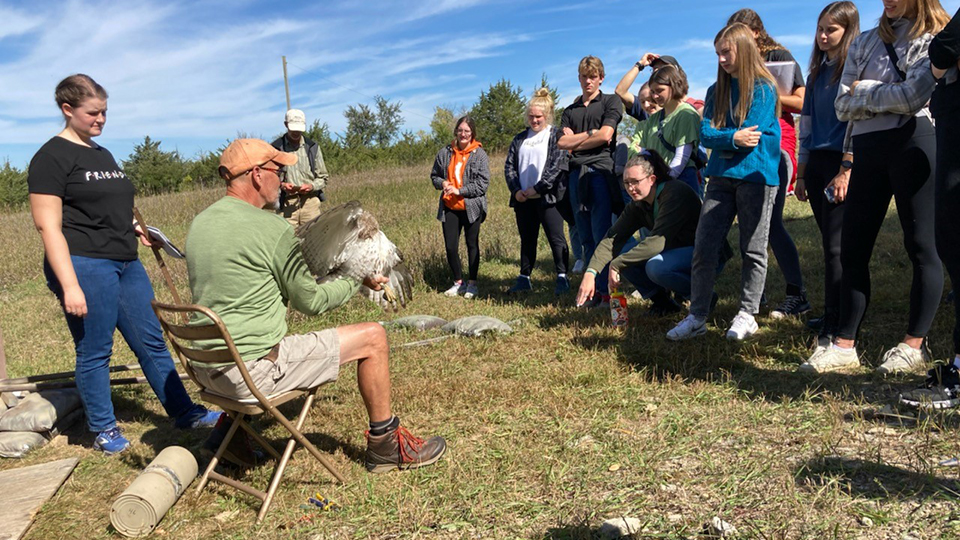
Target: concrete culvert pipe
x: 139, y: 509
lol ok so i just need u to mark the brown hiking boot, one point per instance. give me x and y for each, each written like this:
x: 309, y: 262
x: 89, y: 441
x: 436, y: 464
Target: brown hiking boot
x: 399, y: 449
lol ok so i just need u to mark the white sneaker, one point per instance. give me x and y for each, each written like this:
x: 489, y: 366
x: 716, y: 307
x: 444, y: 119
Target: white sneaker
x: 742, y: 327
x: 458, y: 288
x: 903, y: 358
x: 831, y: 358
x: 471, y: 291
x: 691, y: 326
x: 577, y: 267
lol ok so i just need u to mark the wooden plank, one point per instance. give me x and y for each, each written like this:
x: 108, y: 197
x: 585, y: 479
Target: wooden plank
x: 25, y: 491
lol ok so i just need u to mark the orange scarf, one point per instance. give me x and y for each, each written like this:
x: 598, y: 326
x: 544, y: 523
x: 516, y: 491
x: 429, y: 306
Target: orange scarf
x: 455, y: 171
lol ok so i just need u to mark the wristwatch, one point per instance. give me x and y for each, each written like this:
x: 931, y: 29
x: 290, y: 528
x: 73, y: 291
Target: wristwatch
x: 590, y: 132
x: 639, y: 65
x: 846, y: 164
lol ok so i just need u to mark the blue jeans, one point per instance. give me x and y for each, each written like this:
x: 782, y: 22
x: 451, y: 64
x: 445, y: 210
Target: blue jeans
x: 593, y: 223
x: 669, y: 271
x: 118, y: 295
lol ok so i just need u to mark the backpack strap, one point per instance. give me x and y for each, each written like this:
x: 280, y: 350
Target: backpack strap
x: 895, y: 60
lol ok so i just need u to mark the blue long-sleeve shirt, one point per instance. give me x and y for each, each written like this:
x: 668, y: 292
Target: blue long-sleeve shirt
x: 759, y: 164
x: 820, y: 129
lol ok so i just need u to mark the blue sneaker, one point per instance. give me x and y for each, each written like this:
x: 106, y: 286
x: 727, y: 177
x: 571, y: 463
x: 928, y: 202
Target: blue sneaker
x: 521, y: 286
x: 207, y: 419
x: 111, y: 442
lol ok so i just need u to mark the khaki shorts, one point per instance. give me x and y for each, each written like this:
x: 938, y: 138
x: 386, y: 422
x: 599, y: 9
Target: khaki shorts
x: 304, y: 361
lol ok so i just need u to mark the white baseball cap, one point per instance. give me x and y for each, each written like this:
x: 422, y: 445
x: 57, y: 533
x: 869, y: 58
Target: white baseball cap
x: 296, y: 120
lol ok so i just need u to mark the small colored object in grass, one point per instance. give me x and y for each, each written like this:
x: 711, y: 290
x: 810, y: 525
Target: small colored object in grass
x: 952, y: 462
x: 324, y: 503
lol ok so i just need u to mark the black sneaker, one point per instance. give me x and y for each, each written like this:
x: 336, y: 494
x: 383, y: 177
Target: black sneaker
x: 239, y: 453
x: 792, y: 306
x: 941, y: 390
x: 663, y: 304
x: 563, y: 286
x: 816, y: 323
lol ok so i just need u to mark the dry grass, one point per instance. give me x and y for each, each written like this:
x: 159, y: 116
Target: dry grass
x: 551, y: 429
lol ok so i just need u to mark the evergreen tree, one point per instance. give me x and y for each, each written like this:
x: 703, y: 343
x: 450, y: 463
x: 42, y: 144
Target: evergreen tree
x: 152, y: 170
x: 499, y: 115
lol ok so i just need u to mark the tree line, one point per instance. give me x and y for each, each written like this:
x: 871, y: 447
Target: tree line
x: 373, y: 139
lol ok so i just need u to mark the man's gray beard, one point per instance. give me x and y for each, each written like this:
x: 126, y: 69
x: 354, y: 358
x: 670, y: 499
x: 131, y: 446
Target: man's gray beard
x: 276, y: 205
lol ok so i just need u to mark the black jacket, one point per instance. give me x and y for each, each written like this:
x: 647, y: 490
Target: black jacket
x: 553, y: 181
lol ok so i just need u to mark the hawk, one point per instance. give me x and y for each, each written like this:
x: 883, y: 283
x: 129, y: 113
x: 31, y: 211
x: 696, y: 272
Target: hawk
x: 346, y: 241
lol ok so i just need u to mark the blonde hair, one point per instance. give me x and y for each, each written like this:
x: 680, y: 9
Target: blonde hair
x: 750, y: 69
x: 931, y: 18
x: 544, y: 101
x: 591, y: 66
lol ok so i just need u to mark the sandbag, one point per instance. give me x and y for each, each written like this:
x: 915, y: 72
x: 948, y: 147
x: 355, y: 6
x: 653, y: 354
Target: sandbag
x: 39, y: 411
x: 476, y: 325
x: 139, y: 509
x: 417, y: 322
x: 16, y: 444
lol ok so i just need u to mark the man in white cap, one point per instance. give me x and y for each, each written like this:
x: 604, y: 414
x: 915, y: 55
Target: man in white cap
x: 302, y: 188
x: 246, y: 265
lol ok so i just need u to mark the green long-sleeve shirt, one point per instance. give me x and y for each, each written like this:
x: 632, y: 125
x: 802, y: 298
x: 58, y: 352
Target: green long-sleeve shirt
x: 675, y: 226
x: 246, y: 265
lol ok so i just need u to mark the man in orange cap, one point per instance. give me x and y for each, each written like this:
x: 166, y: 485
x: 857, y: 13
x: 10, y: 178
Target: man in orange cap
x: 246, y: 265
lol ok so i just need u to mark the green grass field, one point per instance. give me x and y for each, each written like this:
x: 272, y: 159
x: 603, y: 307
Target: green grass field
x: 552, y: 429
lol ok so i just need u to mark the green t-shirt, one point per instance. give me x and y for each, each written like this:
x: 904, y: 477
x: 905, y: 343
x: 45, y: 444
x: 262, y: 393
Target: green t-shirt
x: 246, y: 265
x: 679, y: 128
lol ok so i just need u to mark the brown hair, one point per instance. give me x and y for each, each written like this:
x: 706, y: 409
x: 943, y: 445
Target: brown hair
x: 672, y: 77
x: 750, y: 18
x: 466, y: 119
x: 930, y: 19
x: 652, y: 163
x: 751, y: 71
x: 846, y: 15
x: 544, y: 101
x: 591, y: 65
x: 76, y: 89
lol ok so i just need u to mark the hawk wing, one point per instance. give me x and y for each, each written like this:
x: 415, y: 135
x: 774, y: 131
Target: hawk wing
x: 325, y: 239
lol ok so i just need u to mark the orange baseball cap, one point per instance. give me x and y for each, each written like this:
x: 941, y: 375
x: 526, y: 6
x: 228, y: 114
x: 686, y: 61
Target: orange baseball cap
x: 243, y: 155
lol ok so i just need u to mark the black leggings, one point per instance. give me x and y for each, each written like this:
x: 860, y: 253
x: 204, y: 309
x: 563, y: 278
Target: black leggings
x: 948, y: 205
x: 898, y: 163
x: 822, y: 167
x: 530, y: 216
x: 453, y: 222
x: 780, y: 241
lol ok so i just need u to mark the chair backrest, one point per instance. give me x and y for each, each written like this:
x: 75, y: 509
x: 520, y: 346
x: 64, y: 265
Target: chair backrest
x: 184, y: 336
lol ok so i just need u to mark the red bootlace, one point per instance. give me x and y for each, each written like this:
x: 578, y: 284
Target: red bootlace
x: 405, y: 438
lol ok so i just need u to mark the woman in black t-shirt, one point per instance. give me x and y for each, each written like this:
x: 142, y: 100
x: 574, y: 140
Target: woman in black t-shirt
x: 82, y: 204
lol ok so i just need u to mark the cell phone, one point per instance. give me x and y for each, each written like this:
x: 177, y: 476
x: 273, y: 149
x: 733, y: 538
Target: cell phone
x: 829, y: 192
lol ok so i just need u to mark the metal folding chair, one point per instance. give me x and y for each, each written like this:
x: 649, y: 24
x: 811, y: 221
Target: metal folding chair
x: 181, y: 337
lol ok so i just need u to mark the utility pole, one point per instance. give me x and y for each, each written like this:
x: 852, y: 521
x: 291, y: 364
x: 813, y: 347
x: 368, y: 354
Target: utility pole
x: 286, y: 81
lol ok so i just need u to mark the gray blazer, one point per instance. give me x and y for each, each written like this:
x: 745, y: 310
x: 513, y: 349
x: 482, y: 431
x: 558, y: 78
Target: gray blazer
x: 476, y: 179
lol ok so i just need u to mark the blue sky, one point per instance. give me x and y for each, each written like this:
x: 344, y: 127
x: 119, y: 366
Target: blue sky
x: 195, y: 74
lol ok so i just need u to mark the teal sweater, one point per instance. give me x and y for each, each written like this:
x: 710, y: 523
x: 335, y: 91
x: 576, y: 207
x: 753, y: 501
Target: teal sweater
x: 760, y: 164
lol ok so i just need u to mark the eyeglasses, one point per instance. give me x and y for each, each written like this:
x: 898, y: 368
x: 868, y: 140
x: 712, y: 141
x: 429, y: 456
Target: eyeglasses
x: 634, y: 183
x: 279, y: 171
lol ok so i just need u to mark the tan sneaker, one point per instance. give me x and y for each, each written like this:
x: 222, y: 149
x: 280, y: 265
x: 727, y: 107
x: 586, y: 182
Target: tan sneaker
x: 825, y: 359
x: 399, y: 449
x: 903, y: 358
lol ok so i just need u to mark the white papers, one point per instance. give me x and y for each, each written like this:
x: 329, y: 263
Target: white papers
x: 159, y: 239
x: 784, y: 73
